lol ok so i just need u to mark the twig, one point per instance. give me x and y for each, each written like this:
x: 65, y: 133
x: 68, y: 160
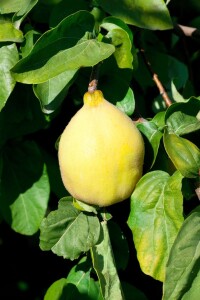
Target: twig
x: 186, y: 30
x: 94, y: 78
x: 155, y: 78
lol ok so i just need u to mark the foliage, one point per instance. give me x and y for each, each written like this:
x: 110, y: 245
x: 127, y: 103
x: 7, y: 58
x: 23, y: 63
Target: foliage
x: 49, y: 51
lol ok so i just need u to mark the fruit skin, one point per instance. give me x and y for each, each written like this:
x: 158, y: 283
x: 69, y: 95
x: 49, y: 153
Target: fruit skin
x: 100, y: 153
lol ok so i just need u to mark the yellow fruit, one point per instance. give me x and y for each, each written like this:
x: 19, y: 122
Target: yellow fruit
x: 100, y: 153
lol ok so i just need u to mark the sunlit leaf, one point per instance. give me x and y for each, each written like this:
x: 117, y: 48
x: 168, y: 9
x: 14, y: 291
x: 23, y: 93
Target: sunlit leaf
x: 10, y: 6
x: 118, y: 23
x: 181, y: 118
x: 20, y: 14
x: 152, y: 14
x: 105, y: 268
x: 80, y: 277
x: 8, y: 33
x: 55, y: 291
x: 24, y: 188
x: 56, y: 52
x: 175, y: 94
x: 155, y: 219
x: 159, y: 120
x: 78, y: 285
x: 127, y: 105
x: 8, y: 58
x: 184, y: 154
x: 59, y: 231
x: 85, y: 54
x: 153, y: 135
x: 29, y: 40
x: 84, y: 206
x: 183, y: 272
x: 120, y: 39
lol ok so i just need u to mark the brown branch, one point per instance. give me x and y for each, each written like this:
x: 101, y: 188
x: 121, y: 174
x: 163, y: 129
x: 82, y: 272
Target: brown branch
x: 155, y: 78
x: 162, y: 91
x: 186, y: 30
x: 94, y: 77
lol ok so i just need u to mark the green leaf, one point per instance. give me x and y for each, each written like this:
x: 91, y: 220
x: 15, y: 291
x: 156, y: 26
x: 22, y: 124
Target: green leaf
x: 155, y: 218
x: 24, y: 187
x: 52, y: 92
x: 127, y: 105
x: 118, y: 23
x: 8, y: 58
x: 21, y: 115
x: 152, y: 14
x: 55, y: 291
x: 29, y: 39
x: 56, y: 52
x: 181, y: 118
x: 8, y: 33
x: 53, y: 44
x: 80, y: 277
x: 183, y: 272
x: 10, y: 6
x: 104, y: 265
x: 194, y: 291
x: 131, y: 292
x: 175, y: 94
x: 68, y: 232
x: 184, y: 154
x: 114, y: 81
x: 65, y: 8
x: 123, y: 46
x: 85, y: 207
x: 20, y: 15
x: 153, y: 135
x: 78, y: 285
x: 172, y: 68
x: 85, y: 54
x: 159, y: 120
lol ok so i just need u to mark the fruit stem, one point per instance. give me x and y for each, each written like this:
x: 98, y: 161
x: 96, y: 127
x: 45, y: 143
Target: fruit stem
x: 94, y: 78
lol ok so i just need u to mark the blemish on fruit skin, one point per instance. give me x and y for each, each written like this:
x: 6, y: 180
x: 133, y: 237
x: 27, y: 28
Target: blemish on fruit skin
x: 100, y: 153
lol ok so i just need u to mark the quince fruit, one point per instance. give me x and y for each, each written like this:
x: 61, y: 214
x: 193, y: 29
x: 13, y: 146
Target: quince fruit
x: 100, y: 153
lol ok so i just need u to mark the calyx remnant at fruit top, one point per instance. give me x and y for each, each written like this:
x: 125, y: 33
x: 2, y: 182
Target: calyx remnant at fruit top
x: 94, y: 98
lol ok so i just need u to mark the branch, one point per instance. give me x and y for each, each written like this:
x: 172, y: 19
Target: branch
x: 183, y: 30
x: 155, y: 78
x: 187, y: 31
x: 94, y: 77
